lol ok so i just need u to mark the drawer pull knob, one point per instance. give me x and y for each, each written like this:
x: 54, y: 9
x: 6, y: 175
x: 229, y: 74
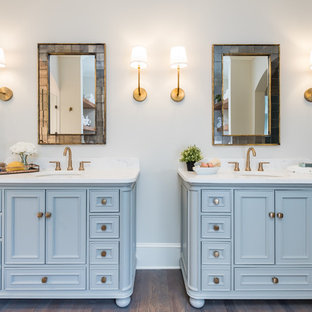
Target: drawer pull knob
x: 272, y: 215
x: 44, y: 280
x: 274, y: 280
x: 103, y: 227
x: 48, y: 215
x: 216, y: 227
x: 103, y: 253
x: 40, y: 215
x: 280, y: 215
x: 216, y: 201
x: 216, y: 280
x: 216, y: 254
x: 104, y: 201
x: 103, y: 280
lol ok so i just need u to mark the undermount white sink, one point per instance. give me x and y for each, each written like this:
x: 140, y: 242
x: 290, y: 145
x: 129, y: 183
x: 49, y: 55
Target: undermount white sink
x: 260, y: 174
x: 58, y: 174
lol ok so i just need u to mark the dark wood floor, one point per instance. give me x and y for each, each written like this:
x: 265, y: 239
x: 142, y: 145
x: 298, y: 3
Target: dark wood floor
x: 156, y: 291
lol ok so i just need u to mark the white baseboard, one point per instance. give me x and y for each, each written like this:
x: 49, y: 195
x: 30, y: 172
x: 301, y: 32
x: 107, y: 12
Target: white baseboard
x: 158, y: 256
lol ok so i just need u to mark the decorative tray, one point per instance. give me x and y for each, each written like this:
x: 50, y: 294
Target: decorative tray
x: 29, y: 169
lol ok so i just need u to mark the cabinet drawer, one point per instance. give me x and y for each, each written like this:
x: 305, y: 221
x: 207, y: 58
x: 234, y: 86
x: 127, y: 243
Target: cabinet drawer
x: 273, y: 278
x: 104, y: 253
x: 216, y: 253
x: 216, y: 279
x: 104, y: 227
x: 216, y: 201
x: 216, y: 227
x: 44, y: 279
x: 104, y: 200
x: 103, y: 278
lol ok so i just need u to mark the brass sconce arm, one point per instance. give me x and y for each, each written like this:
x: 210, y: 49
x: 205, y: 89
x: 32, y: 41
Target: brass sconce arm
x: 139, y: 94
x: 178, y: 94
x: 139, y: 61
x: 308, y: 95
x: 5, y: 94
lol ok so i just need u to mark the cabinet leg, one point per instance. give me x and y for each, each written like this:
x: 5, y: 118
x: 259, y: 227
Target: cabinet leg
x: 197, y: 303
x: 123, y: 302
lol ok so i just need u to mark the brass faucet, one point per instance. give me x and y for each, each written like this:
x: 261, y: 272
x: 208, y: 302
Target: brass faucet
x: 70, y: 158
x: 248, y: 158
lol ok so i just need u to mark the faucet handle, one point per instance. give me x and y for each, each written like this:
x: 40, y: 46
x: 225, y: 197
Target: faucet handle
x: 81, y: 165
x: 261, y: 163
x: 236, y: 163
x: 57, y: 165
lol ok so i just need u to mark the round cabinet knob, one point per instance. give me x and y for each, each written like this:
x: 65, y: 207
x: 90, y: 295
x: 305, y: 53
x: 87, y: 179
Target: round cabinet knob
x: 103, y: 253
x: 216, y: 254
x: 216, y: 227
x: 44, y: 280
x: 216, y: 201
x: 48, y: 215
x: 104, y: 201
x: 280, y: 215
x: 40, y: 215
x: 216, y: 280
x: 103, y: 227
x: 274, y: 280
x: 103, y: 280
x: 272, y: 215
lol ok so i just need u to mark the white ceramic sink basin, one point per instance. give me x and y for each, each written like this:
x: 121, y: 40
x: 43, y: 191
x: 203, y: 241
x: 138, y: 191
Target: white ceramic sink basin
x: 58, y: 174
x: 264, y: 174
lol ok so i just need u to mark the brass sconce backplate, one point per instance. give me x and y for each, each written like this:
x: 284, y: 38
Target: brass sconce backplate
x: 177, y: 94
x: 308, y: 95
x: 139, y: 95
x: 5, y: 94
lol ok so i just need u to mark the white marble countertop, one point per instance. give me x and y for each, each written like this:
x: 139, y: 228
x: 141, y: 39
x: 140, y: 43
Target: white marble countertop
x: 99, y: 171
x: 242, y: 177
x: 105, y: 176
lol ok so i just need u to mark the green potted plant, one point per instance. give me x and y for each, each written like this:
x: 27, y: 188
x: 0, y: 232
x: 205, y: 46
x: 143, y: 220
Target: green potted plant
x: 191, y: 155
x: 218, y: 98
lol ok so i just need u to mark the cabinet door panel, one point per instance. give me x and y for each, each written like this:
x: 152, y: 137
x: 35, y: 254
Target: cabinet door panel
x: 293, y: 228
x: 254, y: 229
x: 24, y: 231
x: 66, y: 228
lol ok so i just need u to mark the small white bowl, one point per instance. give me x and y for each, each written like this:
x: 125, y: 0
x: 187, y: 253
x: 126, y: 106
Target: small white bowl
x: 205, y: 170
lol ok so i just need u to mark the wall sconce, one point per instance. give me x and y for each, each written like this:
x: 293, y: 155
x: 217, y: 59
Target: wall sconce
x: 5, y: 93
x: 308, y: 93
x: 178, y: 60
x: 139, y: 61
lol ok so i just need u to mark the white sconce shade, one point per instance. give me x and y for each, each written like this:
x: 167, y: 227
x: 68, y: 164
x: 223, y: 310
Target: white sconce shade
x: 2, y: 58
x: 138, y: 57
x: 178, y: 57
x: 311, y: 60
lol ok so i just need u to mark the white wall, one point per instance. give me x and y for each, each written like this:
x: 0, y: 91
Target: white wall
x: 156, y: 130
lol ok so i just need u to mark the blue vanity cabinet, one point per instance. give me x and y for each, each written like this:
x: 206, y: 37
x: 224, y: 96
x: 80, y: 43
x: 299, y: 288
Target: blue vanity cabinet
x: 24, y: 227
x: 246, y: 241
x: 77, y: 241
x: 66, y: 226
x: 254, y: 228
x: 294, y: 227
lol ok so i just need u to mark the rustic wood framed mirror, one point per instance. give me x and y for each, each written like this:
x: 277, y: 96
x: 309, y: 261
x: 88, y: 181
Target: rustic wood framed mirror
x: 246, y: 94
x: 71, y: 93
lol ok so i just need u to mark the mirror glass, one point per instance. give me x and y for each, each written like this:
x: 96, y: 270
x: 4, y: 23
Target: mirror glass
x: 246, y: 94
x: 72, y: 94
x: 246, y: 90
